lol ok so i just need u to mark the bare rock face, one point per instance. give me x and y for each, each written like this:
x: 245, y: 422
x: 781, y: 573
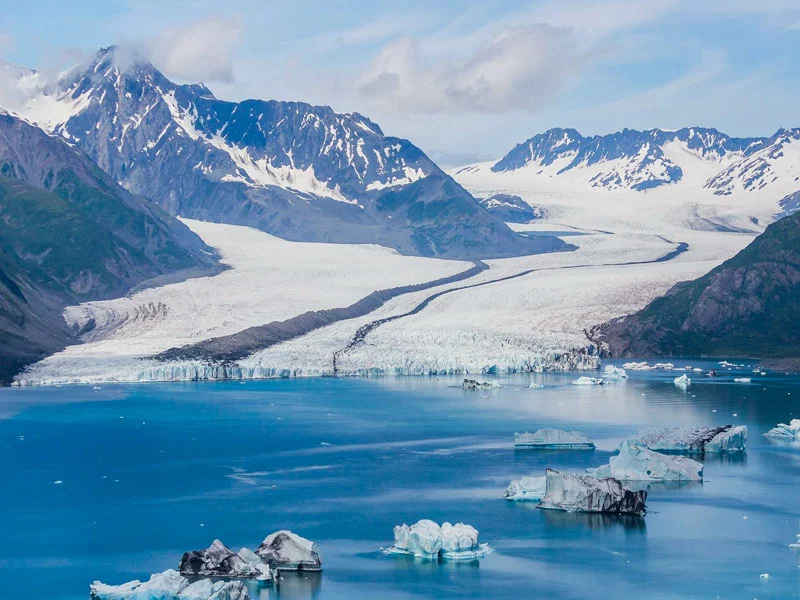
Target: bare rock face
x: 576, y: 493
x: 287, y: 551
x: 745, y: 307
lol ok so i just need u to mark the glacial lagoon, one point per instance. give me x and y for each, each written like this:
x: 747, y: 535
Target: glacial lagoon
x: 149, y: 471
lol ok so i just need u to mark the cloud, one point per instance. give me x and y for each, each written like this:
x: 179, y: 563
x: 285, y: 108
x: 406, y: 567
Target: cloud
x: 519, y: 69
x: 200, y: 51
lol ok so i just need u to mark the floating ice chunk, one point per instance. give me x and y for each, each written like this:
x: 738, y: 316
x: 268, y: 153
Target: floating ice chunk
x: 582, y: 493
x: 796, y: 544
x: 218, y: 561
x: 527, y: 489
x: 637, y: 366
x: 635, y: 463
x: 553, y: 438
x: 784, y: 431
x: 588, y: 381
x: 764, y: 576
x: 683, y: 381
x: 256, y: 562
x: 426, y: 539
x: 170, y: 585
x: 612, y: 372
x: 473, y: 384
x: 287, y: 551
x: 742, y: 379
x: 723, y: 438
x: 664, y: 366
x: 535, y: 386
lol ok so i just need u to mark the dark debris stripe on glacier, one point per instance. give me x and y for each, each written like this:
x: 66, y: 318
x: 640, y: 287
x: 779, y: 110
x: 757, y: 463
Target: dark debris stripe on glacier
x: 248, y: 341
x: 365, y: 330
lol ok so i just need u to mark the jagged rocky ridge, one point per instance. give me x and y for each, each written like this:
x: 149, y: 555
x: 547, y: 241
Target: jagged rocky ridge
x: 69, y: 233
x: 641, y: 160
x: 298, y: 171
x: 747, y: 307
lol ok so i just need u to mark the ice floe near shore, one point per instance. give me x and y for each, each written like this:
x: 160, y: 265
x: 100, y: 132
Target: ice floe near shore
x: 526, y: 489
x: 582, y: 493
x: 785, y: 431
x: 635, y: 463
x: 723, y: 438
x: 426, y: 539
x: 170, y: 585
x: 553, y: 438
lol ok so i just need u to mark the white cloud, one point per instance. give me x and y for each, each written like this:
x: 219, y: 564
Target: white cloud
x: 200, y: 51
x: 518, y: 69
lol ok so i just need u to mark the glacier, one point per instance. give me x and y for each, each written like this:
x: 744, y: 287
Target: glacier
x: 526, y: 489
x: 635, y: 463
x: 783, y: 431
x: 426, y: 539
x: 170, y: 585
x: 582, y: 493
x: 699, y: 439
x: 553, y: 438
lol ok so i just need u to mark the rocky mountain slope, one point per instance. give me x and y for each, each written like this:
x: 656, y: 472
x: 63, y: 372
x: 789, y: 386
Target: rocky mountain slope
x: 643, y: 160
x: 298, y: 171
x: 69, y: 233
x: 745, y: 307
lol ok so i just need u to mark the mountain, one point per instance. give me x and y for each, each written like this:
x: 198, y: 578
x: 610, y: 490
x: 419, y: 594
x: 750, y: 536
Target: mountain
x: 298, y: 171
x: 745, y: 307
x: 510, y: 208
x: 643, y: 160
x: 69, y: 233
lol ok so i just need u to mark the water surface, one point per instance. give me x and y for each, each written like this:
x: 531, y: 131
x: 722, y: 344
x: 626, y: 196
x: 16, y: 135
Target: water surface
x: 150, y: 471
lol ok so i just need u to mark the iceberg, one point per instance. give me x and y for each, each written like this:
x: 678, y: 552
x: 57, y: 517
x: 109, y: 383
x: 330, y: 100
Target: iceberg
x: 637, y: 366
x: 287, y: 551
x: 553, y: 438
x: 170, y: 585
x: 582, y: 493
x: 220, y: 561
x: 723, y: 438
x: 527, y: 489
x: 588, y: 381
x: 426, y: 539
x: 742, y: 379
x: 612, y: 372
x: 784, y: 431
x: 635, y: 463
x: 472, y: 384
x: 682, y: 382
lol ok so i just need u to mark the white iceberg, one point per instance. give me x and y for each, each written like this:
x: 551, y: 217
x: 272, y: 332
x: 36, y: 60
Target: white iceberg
x: 664, y: 366
x: 582, y: 493
x: 723, y: 438
x: 742, y: 379
x: 784, y: 431
x: 635, y: 463
x: 683, y: 381
x: 637, y: 366
x: 287, y: 551
x: 612, y: 372
x: 526, y: 489
x: 170, y: 585
x: 426, y: 539
x: 553, y: 438
x: 588, y: 381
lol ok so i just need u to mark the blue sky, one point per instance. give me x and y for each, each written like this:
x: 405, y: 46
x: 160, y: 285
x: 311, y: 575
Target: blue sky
x: 464, y: 80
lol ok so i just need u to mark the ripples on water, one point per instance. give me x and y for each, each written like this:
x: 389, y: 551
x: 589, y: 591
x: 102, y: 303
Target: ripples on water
x: 150, y: 471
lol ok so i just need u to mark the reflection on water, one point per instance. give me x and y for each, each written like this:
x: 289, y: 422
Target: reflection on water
x: 291, y: 585
x: 561, y: 520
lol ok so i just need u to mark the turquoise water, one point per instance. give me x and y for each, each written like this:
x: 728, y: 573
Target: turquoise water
x: 150, y: 471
